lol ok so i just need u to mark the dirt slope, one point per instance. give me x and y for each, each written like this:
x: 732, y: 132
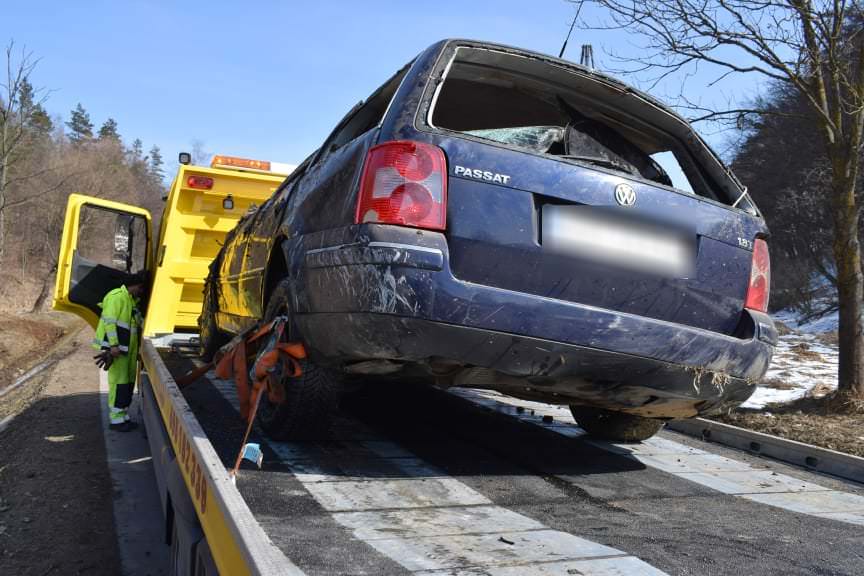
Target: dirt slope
x: 27, y: 339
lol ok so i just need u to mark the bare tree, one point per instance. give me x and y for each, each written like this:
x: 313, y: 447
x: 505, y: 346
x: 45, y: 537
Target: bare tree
x: 814, y: 46
x: 200, y: 155
x: 18, y: 106
x: 782, y: 151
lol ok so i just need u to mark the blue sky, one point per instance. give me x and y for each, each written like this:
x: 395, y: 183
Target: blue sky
x: 266, y: 79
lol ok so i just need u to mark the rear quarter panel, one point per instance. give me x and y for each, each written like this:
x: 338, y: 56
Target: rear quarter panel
x: 325, y: 197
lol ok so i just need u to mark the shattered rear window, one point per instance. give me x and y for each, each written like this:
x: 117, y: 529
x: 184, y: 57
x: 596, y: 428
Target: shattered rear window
x: 541, y: 108
x: 534, y: 138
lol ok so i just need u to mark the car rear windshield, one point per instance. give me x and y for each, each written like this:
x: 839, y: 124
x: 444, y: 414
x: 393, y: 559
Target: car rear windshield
x: 544, y: 108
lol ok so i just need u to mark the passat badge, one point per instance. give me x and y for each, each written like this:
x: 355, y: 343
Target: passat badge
x: 478, y: 174
x: 625, y: 195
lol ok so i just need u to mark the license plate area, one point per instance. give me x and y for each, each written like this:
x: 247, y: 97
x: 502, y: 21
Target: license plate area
x: 618, y: 240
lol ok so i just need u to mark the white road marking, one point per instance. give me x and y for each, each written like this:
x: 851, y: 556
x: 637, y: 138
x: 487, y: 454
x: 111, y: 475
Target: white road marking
x: 627, y: 566
x: 348, y: 495
x: 431, y: 523
x: 713, y: 471
x: 499, y: 548
x: 687, y: 463
x: 381, y: 525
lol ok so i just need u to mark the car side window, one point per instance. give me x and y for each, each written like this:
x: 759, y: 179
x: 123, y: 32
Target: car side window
x: 367, y: 115
x: 281, y: 194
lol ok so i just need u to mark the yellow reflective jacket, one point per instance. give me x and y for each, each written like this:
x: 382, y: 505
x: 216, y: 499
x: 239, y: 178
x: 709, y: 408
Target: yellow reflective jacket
x: 119, y: 323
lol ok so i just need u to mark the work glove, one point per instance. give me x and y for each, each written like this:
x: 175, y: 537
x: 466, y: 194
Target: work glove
x: 104, y: 359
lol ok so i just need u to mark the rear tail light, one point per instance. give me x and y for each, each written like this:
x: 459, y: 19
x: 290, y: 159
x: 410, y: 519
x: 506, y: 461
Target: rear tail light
x: 760, y: 278
x: 404, y: 183
x: 199, y: 182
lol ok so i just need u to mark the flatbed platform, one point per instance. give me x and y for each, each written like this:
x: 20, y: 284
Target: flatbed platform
x: 417, y: 480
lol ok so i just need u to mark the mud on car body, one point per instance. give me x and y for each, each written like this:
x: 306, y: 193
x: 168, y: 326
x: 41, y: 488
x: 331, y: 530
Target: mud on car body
x: 496, y: 218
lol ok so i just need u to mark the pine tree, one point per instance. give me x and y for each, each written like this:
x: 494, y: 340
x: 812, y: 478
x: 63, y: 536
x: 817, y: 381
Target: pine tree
x: 34, y: 115
x: 156, y: 163
x: 136, y: 153
x: 136, y: 160
x: 26, y: 96
x: 108, y: 131
x: 80, y: 126
x: 40, y: 121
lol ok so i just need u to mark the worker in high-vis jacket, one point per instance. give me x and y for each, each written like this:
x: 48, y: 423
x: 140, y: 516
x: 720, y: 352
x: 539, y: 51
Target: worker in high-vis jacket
x: 117, y: 336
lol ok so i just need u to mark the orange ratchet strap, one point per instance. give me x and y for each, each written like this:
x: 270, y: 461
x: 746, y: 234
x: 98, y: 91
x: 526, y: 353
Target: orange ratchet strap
x: 273, y: 360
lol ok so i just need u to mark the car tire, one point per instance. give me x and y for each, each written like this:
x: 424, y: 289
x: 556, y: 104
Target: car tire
x: 310, y: 400
x: 617, y: 426
x: 211, y: 338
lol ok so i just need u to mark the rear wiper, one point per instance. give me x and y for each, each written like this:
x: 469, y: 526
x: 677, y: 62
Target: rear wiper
x: 595, y: 160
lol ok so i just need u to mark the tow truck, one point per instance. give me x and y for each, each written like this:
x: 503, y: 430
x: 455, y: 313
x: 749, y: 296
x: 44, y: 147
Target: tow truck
x: 207, y: 522
x: 500, y: 485
x: 503, y: 486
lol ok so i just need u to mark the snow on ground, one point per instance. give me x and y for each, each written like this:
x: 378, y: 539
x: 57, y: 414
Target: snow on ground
x: 790, y: 318
x: 801, y: 361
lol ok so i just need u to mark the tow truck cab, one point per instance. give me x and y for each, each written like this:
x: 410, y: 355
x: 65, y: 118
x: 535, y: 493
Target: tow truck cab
x: 104, y: 242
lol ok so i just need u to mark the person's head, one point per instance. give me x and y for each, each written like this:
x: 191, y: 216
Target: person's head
x: 138, y: 284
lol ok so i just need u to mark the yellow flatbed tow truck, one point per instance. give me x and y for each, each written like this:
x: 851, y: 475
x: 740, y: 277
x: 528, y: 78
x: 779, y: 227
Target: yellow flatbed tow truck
x: 478, y: 483
x: 208, y: 523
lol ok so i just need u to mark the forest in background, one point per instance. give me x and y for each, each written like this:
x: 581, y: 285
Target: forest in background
x: 43, y: 159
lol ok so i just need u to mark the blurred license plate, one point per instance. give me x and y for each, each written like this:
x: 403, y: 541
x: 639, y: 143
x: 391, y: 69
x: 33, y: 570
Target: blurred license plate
x: 602, y: 236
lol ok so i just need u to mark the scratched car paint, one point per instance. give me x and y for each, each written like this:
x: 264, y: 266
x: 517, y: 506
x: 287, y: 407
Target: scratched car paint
x: 412, y: 242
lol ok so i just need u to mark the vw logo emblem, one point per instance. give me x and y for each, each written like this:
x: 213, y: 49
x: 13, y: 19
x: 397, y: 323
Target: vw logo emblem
x: 625, y: 195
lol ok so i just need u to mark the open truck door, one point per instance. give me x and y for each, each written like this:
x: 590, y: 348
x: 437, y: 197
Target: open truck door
x: 104, y: 243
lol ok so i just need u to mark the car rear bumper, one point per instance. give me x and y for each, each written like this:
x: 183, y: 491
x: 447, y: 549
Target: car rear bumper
x: 387, y: 293
x: 525, y: 367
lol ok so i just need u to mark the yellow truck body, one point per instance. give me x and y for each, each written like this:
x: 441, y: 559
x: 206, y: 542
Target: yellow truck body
x: 193, y: 226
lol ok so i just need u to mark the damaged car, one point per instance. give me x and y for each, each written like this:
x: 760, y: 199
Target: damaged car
x: 496, y: 218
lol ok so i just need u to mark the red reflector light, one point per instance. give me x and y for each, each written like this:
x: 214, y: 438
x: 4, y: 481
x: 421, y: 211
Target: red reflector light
x: 404, y: 183
x: 760, y: 278
x: 199, y: 182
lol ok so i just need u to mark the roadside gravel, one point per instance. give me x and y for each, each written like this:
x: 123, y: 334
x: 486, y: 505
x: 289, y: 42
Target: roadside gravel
x: 55, y: 489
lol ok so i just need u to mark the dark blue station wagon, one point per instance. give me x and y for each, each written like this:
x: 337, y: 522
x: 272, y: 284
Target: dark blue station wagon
x: 496, y: 218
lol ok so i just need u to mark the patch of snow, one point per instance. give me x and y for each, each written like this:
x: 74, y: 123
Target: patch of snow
x: 800, y: 372
x: 827, y: 323
x: 763, y: 396
x: 793, y: 319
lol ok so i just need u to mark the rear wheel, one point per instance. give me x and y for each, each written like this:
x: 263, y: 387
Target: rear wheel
x: 617, y: 426
x: 309, y: 401
x: 211, y: 337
